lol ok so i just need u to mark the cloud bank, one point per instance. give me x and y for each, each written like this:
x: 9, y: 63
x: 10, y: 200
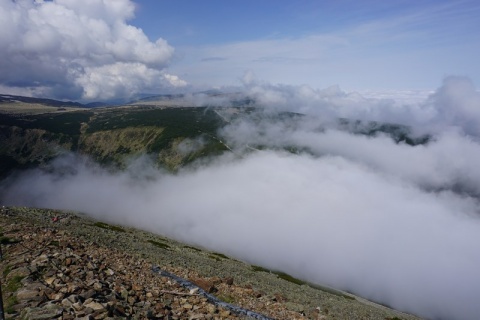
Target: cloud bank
x: 395, y: 223
x: 456, y: 104
x: 79, y: 50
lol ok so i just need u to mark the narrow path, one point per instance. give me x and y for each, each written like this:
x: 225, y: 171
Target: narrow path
x: 211, y: 298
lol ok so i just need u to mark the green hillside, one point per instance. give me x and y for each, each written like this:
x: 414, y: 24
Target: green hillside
x: 172, y: 136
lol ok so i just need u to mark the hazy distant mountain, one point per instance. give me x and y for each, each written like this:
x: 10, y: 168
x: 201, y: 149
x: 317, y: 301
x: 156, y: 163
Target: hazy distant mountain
x: 6, y: 98
x: 110, y: 135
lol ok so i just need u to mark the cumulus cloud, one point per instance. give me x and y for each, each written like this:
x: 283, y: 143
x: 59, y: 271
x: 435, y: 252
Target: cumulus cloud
x: 455, y: 104
x: 123, y: 80
x: 67, y: 47
x: 395, y: 223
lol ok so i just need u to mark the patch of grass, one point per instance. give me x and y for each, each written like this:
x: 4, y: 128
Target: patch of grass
x: 294, y: 280
x: 159, y: 244
x: 226, y: 298
x: 7, y: 270
x: 289, y: 278
x: 6, y: 240
x: 394, y: 318
x: 108, y: 227
x: 54, y: 243
x: 211, y: 256
x: 192, y: 248
x: 260, y: 269
x: 10, y: 303
x: 331, y: 291
x: 220, y: 255
x: 352, y: 298
x: 14, y: 284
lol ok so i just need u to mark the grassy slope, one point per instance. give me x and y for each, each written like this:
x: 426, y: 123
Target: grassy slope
x: 110, y: 136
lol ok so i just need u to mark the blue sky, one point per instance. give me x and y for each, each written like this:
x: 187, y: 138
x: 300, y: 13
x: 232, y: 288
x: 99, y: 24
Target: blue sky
x: 101, y: 50
x: 355, y: 44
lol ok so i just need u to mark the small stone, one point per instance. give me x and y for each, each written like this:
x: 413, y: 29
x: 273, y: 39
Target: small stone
x: 19, y: 307
x: 66, y: 303
x: 77, y: 306
x: 72, y: 288
x: 28, y: 295
x: 98, y: 315
x: 41, y: 313
x: 211, y: 308
x: 124, y: 294
x: 18, y: 272
x: 206, y: 285
x: 119, y: 311
x: 224, y: 313
x: 194, y: 291
x: 40, y: 261
x: 95, y: 306
x: 159, y: 307
x: 58, y: 296
x: 97, y: 286
x: 35, y: 286
x: 136, y: 287
x: 88, y: 294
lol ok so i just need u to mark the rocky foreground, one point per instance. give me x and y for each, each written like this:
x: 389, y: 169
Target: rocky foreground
x: 58, y: 265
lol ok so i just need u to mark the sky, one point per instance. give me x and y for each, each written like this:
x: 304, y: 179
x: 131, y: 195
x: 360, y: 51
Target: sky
x: 101, y: 50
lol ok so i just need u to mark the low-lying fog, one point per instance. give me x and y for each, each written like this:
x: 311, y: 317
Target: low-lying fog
x: 393, y: 223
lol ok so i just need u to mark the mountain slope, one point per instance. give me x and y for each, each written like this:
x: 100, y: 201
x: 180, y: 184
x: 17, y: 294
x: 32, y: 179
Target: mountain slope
x: 171, y: 136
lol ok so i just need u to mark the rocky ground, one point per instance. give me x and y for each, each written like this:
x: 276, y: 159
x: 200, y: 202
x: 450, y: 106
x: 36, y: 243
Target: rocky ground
x: 58, y: 265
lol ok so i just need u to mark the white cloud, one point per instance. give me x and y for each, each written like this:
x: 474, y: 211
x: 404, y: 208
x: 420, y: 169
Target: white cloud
x: 398, y: 96
x: 123, y: 80
x: 175, y: 80
x: 455, y: 104
x: 62, y: 44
